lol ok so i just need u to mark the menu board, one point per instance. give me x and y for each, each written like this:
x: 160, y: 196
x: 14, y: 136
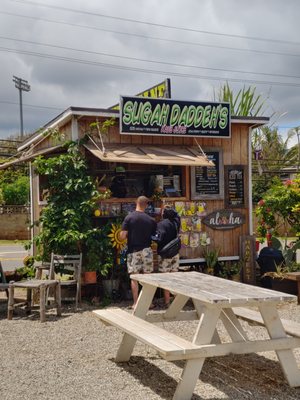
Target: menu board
x: 235, y: 186
x: 207, y: 182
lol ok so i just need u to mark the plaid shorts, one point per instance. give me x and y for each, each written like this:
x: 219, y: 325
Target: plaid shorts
x: 140, y: 261
x: 168, y: 264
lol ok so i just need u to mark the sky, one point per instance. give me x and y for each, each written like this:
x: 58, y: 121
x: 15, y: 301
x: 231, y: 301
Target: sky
x: 88, y: 53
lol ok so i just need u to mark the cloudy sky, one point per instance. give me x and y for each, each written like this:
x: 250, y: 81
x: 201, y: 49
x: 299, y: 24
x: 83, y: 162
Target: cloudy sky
x: 88, y: 53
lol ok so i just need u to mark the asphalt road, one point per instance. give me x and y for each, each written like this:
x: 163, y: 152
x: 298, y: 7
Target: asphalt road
x: 12, y: 256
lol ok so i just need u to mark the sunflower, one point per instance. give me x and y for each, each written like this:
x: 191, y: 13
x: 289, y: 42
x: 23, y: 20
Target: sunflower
x: 114, y: 236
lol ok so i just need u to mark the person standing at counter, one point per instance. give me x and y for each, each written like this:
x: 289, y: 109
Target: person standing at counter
x: 138, y: 227
x: 167, y: 230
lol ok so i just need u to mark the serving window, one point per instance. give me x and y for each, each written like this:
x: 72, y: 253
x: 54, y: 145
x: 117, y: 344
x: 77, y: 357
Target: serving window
x: 133, y: 180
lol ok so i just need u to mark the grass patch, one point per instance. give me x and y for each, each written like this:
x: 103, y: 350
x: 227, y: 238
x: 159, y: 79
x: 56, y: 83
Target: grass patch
x: 13, y: 242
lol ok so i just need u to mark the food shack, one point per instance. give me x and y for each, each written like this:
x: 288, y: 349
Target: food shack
x: 193, y: 155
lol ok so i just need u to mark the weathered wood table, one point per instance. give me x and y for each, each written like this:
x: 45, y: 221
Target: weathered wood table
x: 213, y: 298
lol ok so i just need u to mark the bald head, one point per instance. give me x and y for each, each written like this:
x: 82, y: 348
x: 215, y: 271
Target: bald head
x: 142, y: 203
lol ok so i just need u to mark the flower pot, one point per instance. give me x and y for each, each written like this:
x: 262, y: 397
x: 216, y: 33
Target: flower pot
x: 110, y: 286
x: 236, y: 277
x: 90, y: 277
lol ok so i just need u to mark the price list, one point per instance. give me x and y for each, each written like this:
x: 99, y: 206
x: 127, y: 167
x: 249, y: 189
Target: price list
x: 235, y: 188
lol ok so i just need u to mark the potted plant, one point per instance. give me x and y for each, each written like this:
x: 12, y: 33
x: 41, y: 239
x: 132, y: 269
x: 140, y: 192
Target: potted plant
x: 97, y: 253
x: 234, y: 270
x: 211, y: 260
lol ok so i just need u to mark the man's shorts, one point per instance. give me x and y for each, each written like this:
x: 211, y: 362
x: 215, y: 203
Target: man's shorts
x: 168, y: 264
x: 140, y: 261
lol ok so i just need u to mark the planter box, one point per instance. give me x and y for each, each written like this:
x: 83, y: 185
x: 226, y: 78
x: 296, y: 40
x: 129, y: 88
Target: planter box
x: 285, y: 286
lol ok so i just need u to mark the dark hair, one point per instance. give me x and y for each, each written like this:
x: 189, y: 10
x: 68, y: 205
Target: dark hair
x: 169, y: 213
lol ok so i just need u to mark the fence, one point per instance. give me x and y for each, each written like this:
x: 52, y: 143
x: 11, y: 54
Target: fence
x: 14, y: 222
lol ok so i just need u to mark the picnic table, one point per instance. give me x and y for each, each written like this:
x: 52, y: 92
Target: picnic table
x: 213, y: 298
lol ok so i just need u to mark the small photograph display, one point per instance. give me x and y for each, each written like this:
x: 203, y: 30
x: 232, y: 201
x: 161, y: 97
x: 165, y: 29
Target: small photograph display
x: 194, y: 239
x: 185, y: 239
x: 128, y: 208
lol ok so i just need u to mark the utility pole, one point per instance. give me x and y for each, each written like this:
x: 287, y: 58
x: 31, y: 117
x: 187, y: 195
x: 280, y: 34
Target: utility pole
x: 21, y: 85
x: 298, y: 134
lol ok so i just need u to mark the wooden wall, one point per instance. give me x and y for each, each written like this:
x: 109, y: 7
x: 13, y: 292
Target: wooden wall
x: 235, y: 151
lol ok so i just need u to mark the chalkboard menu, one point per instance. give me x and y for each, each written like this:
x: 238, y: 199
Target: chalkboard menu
x: 207, y: 182
x: 235, y: 186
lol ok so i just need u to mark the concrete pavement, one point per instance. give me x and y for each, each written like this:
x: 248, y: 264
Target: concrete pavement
x: 11, y: 256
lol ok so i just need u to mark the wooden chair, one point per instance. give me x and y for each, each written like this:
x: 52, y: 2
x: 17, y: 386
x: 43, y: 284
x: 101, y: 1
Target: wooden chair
x: 3, y: 284
x: 70, y: 263
x: 37, y: 286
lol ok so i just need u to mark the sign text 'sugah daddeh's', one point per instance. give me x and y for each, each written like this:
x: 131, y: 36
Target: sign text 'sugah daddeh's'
x: 140, y: 116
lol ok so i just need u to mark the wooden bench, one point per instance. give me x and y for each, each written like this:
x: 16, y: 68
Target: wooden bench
x: 165, y: 343
x: 291, y: 327
x: 172, y: 347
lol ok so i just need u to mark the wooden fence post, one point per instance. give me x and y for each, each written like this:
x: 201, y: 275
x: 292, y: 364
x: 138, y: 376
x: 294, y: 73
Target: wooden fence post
x: 248, y: 256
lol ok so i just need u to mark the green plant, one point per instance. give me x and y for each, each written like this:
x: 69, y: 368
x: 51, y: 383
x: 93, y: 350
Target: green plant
x: 25, y: 272
x: 66, y: 219
x: 16, y: 192
x: 289, y: 254
x: 234, y: 268
x: 211, y: 259
x: 281, y: 200
x: 245, y: 103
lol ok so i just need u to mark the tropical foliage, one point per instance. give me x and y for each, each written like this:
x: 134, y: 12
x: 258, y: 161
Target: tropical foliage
x: 245, y: 103
x: 66, y: 219
x: 280, y: 203
x: 274, y: 155
x: 14, y: 186
x: 16, y: 192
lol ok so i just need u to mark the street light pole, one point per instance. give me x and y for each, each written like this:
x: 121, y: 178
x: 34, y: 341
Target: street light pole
x: 21, y: 85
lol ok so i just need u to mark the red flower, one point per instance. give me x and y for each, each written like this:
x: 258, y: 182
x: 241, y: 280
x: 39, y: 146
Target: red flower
x: 261, y: 202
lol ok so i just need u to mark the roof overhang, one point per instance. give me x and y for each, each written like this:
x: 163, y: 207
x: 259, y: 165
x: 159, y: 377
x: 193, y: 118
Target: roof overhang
x: 250, y: 120
x: 65, y: 117
x: 147, y: 154
x: 29, y: 156
x: 79, y: 112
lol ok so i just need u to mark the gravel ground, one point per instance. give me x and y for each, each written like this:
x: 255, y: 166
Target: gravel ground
x: 72, y: 358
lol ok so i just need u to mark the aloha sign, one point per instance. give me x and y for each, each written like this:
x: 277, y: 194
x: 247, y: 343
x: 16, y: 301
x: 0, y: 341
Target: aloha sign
x: 165, y: 117
x: 224, y: 219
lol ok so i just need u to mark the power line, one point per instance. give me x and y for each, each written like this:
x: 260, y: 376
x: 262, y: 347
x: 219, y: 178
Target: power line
x: 264, y: 52
x: 260, y: 39
x: 147, y: 60
x: 144, y: 70
x: 31, y: 105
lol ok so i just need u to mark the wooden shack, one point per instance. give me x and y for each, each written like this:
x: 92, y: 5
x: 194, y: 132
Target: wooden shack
x: 204, y: 173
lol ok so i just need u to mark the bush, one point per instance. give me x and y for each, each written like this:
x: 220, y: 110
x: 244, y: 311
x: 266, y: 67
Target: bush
x: 16, y: 193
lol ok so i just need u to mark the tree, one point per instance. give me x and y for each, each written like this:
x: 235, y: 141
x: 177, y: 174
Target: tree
x: 17, y: 192
x: 295, y: 150
x: 273, y: 156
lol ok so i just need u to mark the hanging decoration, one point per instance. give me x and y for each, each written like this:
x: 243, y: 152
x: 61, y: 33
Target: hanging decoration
x: 114, y: 236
